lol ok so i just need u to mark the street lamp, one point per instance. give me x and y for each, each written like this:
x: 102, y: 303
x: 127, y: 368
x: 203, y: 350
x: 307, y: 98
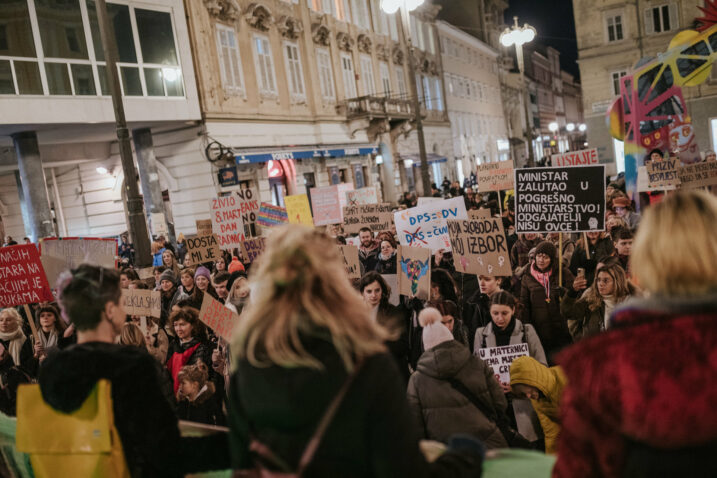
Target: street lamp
x: 518, y: 36
x: 405, y: 6
x: 553, y: 127
x: 570, y: 127
x: 582, y: 128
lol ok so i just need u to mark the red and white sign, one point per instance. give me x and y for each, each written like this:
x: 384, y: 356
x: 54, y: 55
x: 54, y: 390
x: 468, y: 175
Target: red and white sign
x: 217, y: 317
x: 227, y: 224
x: 584, y: 157
x: 22, y: 277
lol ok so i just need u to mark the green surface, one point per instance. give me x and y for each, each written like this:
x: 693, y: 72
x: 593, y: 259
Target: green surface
x: 513, y: 463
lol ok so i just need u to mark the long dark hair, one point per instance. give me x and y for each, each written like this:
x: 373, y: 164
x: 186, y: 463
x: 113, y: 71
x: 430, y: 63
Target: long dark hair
x: 446, y: 285
x: 371, y: 277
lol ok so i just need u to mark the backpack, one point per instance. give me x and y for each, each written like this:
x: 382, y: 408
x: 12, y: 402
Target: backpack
x: 263, y: 455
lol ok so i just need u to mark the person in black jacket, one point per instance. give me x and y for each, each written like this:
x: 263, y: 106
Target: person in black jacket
x: 197, y: 400
x: 191, y: 344
x: 476, y: 311
x: 146, y: 424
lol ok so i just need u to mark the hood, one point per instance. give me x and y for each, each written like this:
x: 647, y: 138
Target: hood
x: 444, y: 360
x: 529, y: 371
x: 661, y: 307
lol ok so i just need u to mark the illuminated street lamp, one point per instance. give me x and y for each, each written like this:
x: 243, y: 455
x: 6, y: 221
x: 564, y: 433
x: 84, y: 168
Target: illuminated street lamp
x: 570, y: 127
x: 518, y: 36
x: 582, y: 128
x: 553, y: 127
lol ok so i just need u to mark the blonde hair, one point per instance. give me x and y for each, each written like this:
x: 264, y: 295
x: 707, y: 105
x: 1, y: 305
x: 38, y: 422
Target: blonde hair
x: 14, y: 314
x: 131, y: 334
x: 675, y: 250
x: 300, y: 287
x: 621, y: 288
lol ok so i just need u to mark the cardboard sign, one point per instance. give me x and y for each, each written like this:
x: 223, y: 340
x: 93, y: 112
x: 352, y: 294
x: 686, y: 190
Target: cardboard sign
x: 414, y: 272
x: 698, y: 175
x: 147, y: 303
x: 560, y: 199
x: 249, y: 205
x: 362, y: 196
x: 500, y: 358
x: 271, y: 216
x: 227, y: 221
x: 22, y: 277
x: 351, y: 261
x: 661, y: 174
x: 584, y: 157
x: 644, y: 186
x: 204, y: 227
x: 202, y: 249
x: 252, y: 248
x: 377, y: 217
x: 59, y: 255
x: 145, y: 273
x: 392, y: 283
x: 479, y: 245
x: 159, y: 224
x: 326, y: 206
x: 495, y: 176
x: 298, y: 210
x: 217, y: 317
x: 425, y: 225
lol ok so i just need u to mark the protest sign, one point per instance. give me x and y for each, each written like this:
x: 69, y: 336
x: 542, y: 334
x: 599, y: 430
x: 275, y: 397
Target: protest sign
x: 414, y: 272
x: 202, y: 249
x: 361, y: 196
x: 661, y: 174
x: 270, y: 215
x: 298, y: 210
x: 249, y: 205
x: 351, y: 261
x: 479, y: 245
x: 227, y: 221
x: 145, y: 273
x: 59, y: 255
x: 560, y: 199
x: 158, y: 223
x: 500, y: 358
x: 252, y: 248
x: 392, y: 283
x: 22, y: 277
x: 423, y: 200
x: 644, y: 186
x: 217, y: 317
x: 425, y: 225
x: 143, y: 302
x: 204, y: 227
x: 326, y: 205
x: 495, y: 176
x: 698, y: 175
x: 377, y: 217
x: 584, y: 157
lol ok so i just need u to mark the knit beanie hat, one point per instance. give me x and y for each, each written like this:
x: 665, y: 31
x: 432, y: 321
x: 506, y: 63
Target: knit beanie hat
x: 202, y: 271
x: 168, y: 275
x: 235, y: 266
x: 434, y: 332
x: 547, y: 248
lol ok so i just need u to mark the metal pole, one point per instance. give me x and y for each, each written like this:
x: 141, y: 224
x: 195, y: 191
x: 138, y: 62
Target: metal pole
x: 137, y: 221
x: 526, y: 101
x: 58, y: 203
x: 425, y: 178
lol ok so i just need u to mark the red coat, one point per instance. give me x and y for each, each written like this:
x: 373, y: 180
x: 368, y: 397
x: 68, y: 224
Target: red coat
x: 651, y: 378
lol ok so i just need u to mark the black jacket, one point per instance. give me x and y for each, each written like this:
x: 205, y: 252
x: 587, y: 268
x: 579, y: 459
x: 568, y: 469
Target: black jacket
x: 386, y: 267
x: 476, y: 314
x: 602, y: 249
x: 206, y: 408
x: 371, y: 435
x: 146, y: 424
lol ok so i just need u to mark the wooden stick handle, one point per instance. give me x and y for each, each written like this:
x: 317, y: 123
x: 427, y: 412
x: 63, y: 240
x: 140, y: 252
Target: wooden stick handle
x: 31, y: 319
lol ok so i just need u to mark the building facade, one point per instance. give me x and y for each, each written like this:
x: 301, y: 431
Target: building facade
x: 612, y: 37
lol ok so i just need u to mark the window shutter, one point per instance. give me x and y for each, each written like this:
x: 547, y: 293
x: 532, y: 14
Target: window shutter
x: 674, y: 18
x: 649, y: 25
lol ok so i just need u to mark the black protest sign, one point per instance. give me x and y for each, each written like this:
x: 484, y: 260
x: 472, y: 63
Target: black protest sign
x: 479, y: 245
x: 377, y: 217
x: 202, y: 249
x: 560, y: 199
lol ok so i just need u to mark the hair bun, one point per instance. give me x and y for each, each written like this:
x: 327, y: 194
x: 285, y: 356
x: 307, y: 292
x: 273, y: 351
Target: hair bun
x: 429, y: 316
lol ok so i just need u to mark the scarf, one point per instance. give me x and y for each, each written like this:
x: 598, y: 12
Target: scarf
x: 543, y: 279
x: 48, y: 340
x: 16, y: 340
x: 385, y: 258
x: 502, y: 337
x: 610, y: 304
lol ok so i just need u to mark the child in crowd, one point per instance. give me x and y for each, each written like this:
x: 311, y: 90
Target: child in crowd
x: 196, y: 400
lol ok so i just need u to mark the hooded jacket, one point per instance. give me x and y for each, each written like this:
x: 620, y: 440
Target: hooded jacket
x: 550, y: 382
x: 440, y: 409
x: 146, y: 424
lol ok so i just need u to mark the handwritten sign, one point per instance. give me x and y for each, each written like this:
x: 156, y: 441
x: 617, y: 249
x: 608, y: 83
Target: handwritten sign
x: 479, y: 245
x: 495, y: 176
x: 249, y: 205
x: 661, y: 174
x: 202, y: 249
x: 698, y: 175
x: 500, y: 358
x: 22, y: 277
x: 252, y: 248
x: 425, y: 226
x: 227, y: 221
x: 270, y: 215
x: 298, y: 210
x: 584, y: 157
x: 362, y: 196
x: 351, y: 261
x: 414, y: 272
x: 59, y: 255
x: 326, y: 206
x: 204, y: 227
x: 217, y: 317
x: 145, y: 273
x: 142, y: 302
x: 377, y: 217
x: 644, y: 186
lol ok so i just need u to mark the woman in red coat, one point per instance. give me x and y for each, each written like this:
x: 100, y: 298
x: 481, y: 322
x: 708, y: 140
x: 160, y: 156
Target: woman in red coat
x: 641, y: 397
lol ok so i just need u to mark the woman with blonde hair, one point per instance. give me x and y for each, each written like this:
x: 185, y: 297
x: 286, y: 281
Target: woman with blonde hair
x: 640, y: 397
x: 170, y: 261
x: 307, y: 352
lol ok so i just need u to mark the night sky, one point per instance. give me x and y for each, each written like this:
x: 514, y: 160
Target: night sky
x: 553, y: 19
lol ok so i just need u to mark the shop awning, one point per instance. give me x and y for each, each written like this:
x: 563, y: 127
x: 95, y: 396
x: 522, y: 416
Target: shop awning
x: 432, y: 158
x: 321, y: 151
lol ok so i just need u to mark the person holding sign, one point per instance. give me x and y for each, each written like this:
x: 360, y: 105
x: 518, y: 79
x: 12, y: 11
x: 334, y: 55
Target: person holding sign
x: 50, y: 328
x: 191, y: 345
x: 593, y: 248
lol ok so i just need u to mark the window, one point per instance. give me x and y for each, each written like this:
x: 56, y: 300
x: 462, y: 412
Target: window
x: 660, y: 19
x: 293, y: 71
x: 393, y: 29
x: 401, y: 81
x: 428, y: 37
x: 427, y: 94
x: 385, y: 78
x: 438, y: 93
x: 360, y: 13
x: 419, y: 87
x: 616, y: 75
x: 380, y: 19
x: 57, y: 20
x: 326, y: 74
x: 229, y: 60
x: 369, y: 87
x: 337, y: 8
x: 347, y: 71
x: 614, y: 28
x: 264, y: 66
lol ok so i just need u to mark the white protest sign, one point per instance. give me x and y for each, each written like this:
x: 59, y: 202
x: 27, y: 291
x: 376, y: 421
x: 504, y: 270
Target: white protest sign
x: 500, y: 358
x: 425, y: 225
x: 361, y: 196
x: 58, y: 255
x: 643, y: 184
x: 227, y: 224
x: 584, y: 157
x: 495, y: 176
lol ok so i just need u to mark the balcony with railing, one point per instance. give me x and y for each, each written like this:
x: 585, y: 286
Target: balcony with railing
x: 383, y: 107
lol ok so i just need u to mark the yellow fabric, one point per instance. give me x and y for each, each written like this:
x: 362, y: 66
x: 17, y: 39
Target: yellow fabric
x: 550, y: 381
x: 83, y: 443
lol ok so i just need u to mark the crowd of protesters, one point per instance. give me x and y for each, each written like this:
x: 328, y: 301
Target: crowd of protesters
x: 618, y: 379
